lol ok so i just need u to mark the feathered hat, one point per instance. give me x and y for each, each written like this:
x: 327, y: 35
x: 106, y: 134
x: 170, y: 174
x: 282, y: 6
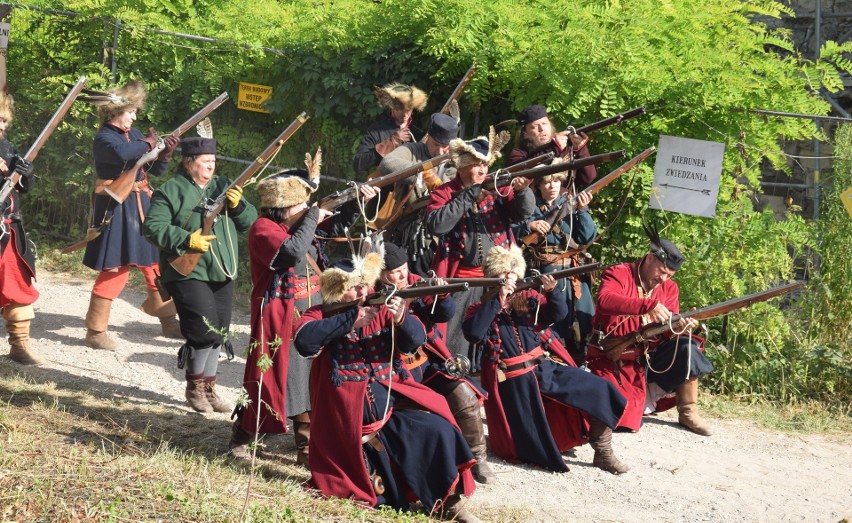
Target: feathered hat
x: 116, y: 100
x: 662, y: 249
x: 481, y: 149
x: 401, y: 96
x: 363, y: 268
x: 7, y: 104
x: 291, y: 187
x: 500, y: 260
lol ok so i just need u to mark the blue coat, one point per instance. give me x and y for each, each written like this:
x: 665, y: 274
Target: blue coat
x: 121, y: 242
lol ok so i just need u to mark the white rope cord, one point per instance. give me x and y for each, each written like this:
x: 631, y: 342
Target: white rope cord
x: 362, y: 205
x: 233, y: 251
x: 392, y: 350
x: 266, y: 165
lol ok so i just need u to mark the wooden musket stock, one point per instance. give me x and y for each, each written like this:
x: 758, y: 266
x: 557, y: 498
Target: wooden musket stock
x: 471, y: 282
x: 52, y: 124
x: 559, y: 214
x: 121, y: 187
x: 648, y: 332
x: 185, y: 263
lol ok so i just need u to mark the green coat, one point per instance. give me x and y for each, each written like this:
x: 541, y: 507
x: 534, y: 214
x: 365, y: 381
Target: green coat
x: 175, y: 213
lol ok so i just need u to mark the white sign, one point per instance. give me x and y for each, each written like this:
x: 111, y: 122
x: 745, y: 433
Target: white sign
x: 686, y: 176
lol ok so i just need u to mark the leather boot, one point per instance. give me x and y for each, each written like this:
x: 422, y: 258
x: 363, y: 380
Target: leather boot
x: 216, y: 402
x: 600, y: 438
x: 238, y: 446
x: 687, y: 409
x: 196, y: 395
x: 165, y: 312
x: 302, y: 436
x: 464, y: 404
x: 18, y: 319
x: 454, y: 510
x: 97, y: 323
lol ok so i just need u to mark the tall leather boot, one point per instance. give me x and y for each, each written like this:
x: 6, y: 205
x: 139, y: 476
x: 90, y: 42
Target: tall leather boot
x: 238, y: 445
x: 464, y: 405
x: 687, y: 409
x: 600, y: 438
x: 196, y: 394
x: 216, y: 402
x: 97, y: 323
x: 18, y: 319
x: 302, y: 436
x: 165, y: 312
x: 454, y: 509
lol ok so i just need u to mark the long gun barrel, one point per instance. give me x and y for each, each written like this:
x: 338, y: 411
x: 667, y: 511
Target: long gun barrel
x: 380, y: 297
x: 471, y: 282
x: 532, y: 282
x: 122, y: 186
x: 571, y: 203
x: 652, y: 330
x: 459, y: 88
x: 185, y: 263
x: 502, y: 179
x: 612, y: 120
x: 52, y: 124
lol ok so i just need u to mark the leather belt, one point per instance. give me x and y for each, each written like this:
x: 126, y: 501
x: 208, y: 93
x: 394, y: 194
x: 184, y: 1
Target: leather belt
x: 304, y: 287
x: 412, y: 361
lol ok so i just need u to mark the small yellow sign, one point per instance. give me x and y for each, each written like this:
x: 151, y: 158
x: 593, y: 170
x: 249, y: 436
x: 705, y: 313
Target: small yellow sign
x: 846, y: 198
x: 253, y: 97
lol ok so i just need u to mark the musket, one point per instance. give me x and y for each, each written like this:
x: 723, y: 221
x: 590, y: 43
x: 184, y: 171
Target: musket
x: 459, y: 88
x: 561, y: 212
x: 422, y: 202
x: 380, y: 297
x: 121, y: 187
x: 471, y: 282
x: 333, y: 201
x: 534, y: 282
x: 502, y: 178
x: 185, y: 263
x: 14, y: 177
x: 612, y: 120
x: 615, y: 347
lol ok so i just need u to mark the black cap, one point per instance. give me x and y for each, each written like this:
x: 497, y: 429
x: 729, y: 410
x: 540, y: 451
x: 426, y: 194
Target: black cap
x: 668, y: 253
x: 195, y: 145
x: 395, y: 256
x: 531, y: 114
x: 443, y: 128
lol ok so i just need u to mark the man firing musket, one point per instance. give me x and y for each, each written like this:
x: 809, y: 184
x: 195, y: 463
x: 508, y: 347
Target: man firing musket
x: 635, y: 294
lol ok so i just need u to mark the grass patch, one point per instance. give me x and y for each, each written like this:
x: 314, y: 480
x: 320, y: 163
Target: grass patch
x: 69, y: 455
x: 806, y: 417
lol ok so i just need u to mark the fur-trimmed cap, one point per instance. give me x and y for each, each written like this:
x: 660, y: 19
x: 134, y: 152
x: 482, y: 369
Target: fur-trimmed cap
x: 130, y: 95
x: 401, y: 96
x: 292, y: 186
x: 500, y: 260
x: 347, y: 273
x: 562, y: 177
x: 7, y: 104
x: 481, y: 149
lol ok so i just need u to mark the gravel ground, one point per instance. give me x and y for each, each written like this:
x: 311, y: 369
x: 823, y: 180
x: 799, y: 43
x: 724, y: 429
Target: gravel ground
x: 741, y: 473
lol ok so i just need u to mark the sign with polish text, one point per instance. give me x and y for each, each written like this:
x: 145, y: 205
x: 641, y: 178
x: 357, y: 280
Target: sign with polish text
x: 687, y: 175
x: 253, y: 97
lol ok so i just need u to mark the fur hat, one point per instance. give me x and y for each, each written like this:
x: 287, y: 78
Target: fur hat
x: 500, y: 260
x: 562, y: 177
x: 481, y: 149
x: 364, y: 268
x: 7, y: 104
x: 120, y: 99
x: 291, y: 187
x: 401, y: 96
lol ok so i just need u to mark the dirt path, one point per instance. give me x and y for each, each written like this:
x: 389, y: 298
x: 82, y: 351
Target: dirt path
x: 741, y: 473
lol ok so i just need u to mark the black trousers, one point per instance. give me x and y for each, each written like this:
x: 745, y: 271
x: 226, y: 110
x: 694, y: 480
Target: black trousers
x: 197, y: 301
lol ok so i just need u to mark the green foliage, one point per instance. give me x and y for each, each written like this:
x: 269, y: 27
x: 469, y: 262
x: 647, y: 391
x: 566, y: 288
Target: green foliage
x: 695, y: 65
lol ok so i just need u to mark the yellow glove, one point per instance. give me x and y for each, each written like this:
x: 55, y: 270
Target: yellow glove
x: 200, y: 242
x: 233, y: 195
